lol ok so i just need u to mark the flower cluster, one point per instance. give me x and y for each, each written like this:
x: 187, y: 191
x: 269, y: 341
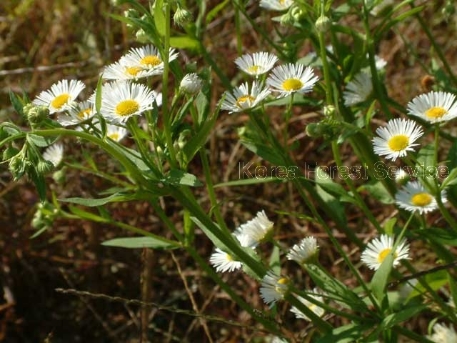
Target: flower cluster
x: 273, y: 285
x: 121, y: 97
x: 284, y: 80
x: 399, y: 137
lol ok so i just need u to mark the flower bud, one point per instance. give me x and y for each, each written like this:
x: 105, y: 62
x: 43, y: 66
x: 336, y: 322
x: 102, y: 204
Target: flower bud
x: 329, y: 111
x: 17, y: 166
x: 36, y: 114
x: 314, y: 130
x: 323, y: 23
x: 44, y: 167
x: 182, y: 17
x: 191, y: 84
x: 141, y: 36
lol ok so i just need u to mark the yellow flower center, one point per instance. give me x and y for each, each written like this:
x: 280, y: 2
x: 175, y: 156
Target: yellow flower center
x: 243, y: 99
x: 133, y: 71
x: 283, y: 281
x: 60, y: 100
x: 151, y: 60
x: 421, y: 199
x: 254, y: 69
x: 84, y: 113
x: 292, y: 85
x: 398, y: 142
x: 435, y: 112
x: 229, y: 257
x: 281, y: 284
x: 127, y: 107
x: 383, y: 254
x: 114, y: 136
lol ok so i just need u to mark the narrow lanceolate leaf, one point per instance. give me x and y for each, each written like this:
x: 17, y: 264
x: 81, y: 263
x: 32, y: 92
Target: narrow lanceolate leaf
x: 159, y: 17
x: 380, y: 278
x: 117, y: 197
x: 142, y: 242
x: 179, y: 177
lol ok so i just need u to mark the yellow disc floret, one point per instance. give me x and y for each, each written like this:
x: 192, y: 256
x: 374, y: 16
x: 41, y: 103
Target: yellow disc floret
x: 435, y: 112
x: 151, y: 60
x: 398, y: 142
x: 127, y: 107
x: 421, y: 199
x: 60, y: 100
x: 292, y: 85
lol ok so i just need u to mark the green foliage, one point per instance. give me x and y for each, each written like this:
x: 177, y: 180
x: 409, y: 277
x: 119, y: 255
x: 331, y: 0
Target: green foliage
x: 165, y: 164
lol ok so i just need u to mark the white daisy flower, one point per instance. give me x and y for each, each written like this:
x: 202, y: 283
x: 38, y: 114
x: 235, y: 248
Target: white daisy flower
x: 256, y: 64
x: 191, y: 84
x: 273, y: 288
x: 304, y: 251
x: 434, y: 107
x: 396, y: 138
x: 276, y: 5
x: 121, y: 100
x: 401, y: 176
x: 115, y: 132
x: 414, y: 197
x: 378, y: 249
x: 54, y: 154
x: 243, y: 97
x: 224, y: 262
x: 125, y: 69
x: 318, y: 311
x: 148, y: 58
x: 78, y: 113
x: 359, y: 89
x: 292, y: 78
x: 443, y: 334
x: 61, y: 95
x: 254, y: 231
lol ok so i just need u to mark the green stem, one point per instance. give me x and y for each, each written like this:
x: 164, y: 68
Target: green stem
x: 167, y: 120
x: 355, y: 193
x: 131, y: 168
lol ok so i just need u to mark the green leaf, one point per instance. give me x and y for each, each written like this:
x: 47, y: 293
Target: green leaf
x: 200, y: 138
x: 184, y: 42
x: 335, y: 289
x: 214, y: 11
x: 346, y: 334
x: 159, y: 17
x: 434, y: 280
x: 263, y: 151
x: 452, y: 156
x: 324, y: 180
x: 180, y: 177
x: 450, y: 180
x: 40, y: 183
x: 142, y: 242
x: 17, y: 103
x: 117, y: 197
x: 440, y: 236
x: 249, y: 181
x: 378, y: 191
x: 401, y: 316
x: 389, y: 226
x: 40, y: 141
x: 426, y: 168
x: 87, y: 215
x: 380, y: 278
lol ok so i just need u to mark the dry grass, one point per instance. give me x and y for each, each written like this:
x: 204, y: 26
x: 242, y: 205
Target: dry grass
x: 43, y: 41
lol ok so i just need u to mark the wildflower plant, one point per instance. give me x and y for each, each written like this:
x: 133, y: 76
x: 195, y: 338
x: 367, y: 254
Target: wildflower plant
x: 153, y: 115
